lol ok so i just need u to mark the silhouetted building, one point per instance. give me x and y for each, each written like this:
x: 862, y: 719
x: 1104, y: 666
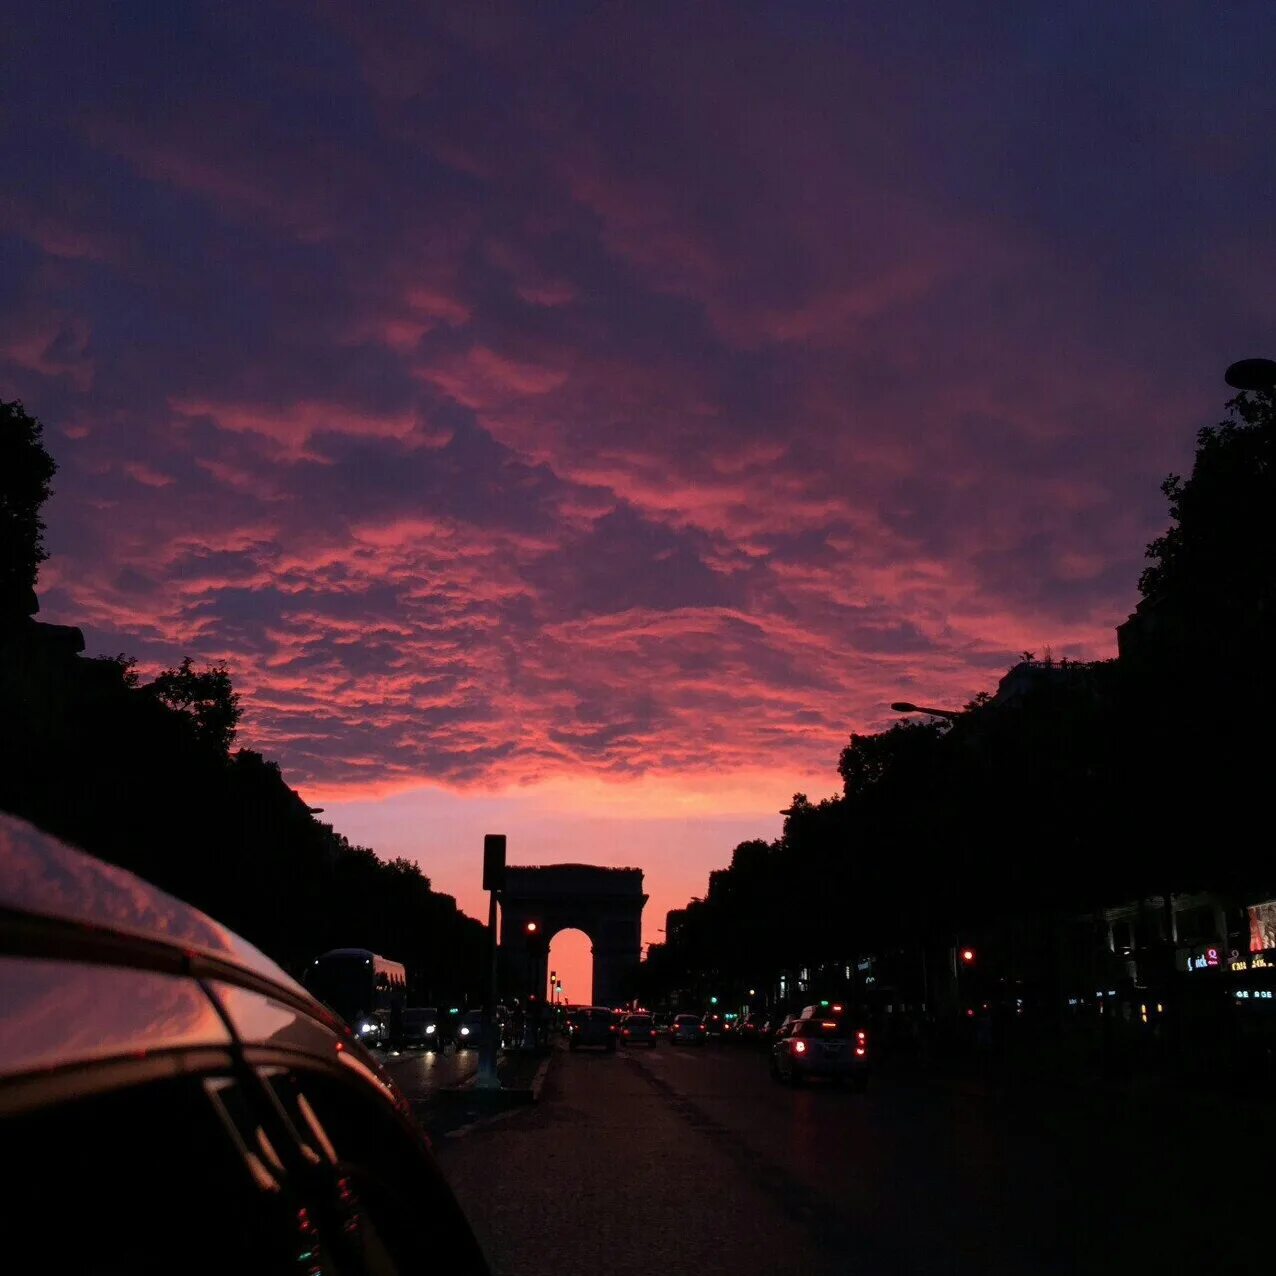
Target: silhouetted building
x: 675, y: 920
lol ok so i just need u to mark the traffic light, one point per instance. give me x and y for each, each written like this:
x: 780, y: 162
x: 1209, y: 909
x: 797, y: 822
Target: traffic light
x: 531, y: 928
x: 967, y: 956
x: 713, y: 1001
x: 493, y: 861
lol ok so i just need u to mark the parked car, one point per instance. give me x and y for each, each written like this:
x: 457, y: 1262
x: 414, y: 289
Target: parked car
x: 172, y: 1091
x: 638, y: 1030
x: 821, y: 1048
x: 686, y: 1030
x: 592, y: 1026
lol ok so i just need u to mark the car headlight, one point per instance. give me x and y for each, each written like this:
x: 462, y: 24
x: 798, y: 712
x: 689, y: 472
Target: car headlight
x: 465, y: 1032
x: 429, y: 1029
x: 367, y: 1027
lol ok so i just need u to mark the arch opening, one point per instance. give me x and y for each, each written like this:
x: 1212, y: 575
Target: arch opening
x: 571, y: 958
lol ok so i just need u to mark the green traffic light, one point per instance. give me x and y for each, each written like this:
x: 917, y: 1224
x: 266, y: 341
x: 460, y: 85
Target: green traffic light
x: 824, y: 1003
x: 713, y: 1001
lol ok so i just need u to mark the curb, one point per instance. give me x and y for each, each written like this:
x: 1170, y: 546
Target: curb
x: 538, y: 1081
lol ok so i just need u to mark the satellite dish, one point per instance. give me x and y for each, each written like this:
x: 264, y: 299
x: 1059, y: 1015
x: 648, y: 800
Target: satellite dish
x: 1251, y: 374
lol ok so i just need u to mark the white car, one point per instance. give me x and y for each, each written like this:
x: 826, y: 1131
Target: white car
x: 821, y: 1048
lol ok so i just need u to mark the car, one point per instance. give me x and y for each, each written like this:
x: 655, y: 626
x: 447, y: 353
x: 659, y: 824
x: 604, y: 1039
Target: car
x: 592, y: 1026
x: 753, y: 1029
x: 638, y: 1030
x: 714, y: 1024
x: 821, y: 1048
x: 780, y: 1026
x: 469, y: 1032
x: 421, y: 1027
x: 686, y: 1030
x: 172, y: 1090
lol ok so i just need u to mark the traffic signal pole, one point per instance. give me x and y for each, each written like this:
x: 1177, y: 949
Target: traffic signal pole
x: 493, y: 880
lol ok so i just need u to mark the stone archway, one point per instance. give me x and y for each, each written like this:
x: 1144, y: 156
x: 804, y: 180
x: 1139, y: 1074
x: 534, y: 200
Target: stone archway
x: 605, y: 903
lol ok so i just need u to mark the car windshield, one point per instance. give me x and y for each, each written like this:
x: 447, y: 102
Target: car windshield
x: 638, y: 1021
x: 686, y: 1019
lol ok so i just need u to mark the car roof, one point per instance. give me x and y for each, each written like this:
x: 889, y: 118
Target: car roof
x: 43, y: 878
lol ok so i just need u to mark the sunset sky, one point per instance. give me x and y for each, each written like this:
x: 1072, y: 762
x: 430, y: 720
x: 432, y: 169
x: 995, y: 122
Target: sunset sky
x: 573, y: 419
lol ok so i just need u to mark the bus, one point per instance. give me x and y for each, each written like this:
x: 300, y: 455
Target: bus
x: 367, y: 990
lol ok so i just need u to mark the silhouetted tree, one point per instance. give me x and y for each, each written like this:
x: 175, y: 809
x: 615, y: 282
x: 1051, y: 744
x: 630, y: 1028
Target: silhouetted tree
x: 207, y: 697
x: 1218, y: 557
x: 869, y: 759
x: 26, y: 471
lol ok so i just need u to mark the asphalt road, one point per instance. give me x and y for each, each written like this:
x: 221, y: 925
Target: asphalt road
x: 420, y: 1074
x: 694, y: 1160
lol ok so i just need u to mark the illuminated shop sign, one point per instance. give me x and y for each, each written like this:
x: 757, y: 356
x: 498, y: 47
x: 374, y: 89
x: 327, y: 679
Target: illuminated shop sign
x: 1253, y: 994
x: 1259, y: 961
x: 1203, y: 959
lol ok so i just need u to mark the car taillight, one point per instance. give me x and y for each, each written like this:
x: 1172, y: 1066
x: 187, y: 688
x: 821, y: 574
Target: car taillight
x: 799, y: 1047
x: 701, y: 1027
x: 859, y: 1050
x: 625, y: 1032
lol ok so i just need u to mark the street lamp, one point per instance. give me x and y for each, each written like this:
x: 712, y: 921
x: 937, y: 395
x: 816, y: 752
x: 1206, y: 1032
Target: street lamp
x: 904, y: 706
x: 1252, y: 374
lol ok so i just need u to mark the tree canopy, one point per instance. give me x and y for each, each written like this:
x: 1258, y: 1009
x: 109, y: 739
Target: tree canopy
x: 26, y: 475
x: 206, y: 697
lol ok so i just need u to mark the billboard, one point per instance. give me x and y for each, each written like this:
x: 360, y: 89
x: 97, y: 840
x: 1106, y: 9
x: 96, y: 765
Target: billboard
x: 1262, y: 926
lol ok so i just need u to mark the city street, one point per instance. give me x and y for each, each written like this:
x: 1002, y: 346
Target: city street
x: 694, y: 1160
x: 421, y: 1074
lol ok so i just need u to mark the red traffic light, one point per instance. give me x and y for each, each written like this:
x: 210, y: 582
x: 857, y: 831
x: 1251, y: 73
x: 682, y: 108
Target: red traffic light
x: 532, y: 928
x: 968, y: 956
